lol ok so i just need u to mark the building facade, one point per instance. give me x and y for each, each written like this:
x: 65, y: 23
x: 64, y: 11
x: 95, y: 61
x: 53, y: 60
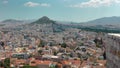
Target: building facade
x: 113, y: 50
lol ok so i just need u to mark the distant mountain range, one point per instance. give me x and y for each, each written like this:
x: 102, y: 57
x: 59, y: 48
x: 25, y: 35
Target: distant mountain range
x: 16, y: 21
x: 104, y: 21
x: 100, y: 24
x: 101, y: 21
x: 109, y: 23
x: 12, y: 21
x: 45, y: 20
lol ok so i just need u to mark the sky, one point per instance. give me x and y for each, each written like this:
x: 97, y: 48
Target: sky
x: 60, y: 10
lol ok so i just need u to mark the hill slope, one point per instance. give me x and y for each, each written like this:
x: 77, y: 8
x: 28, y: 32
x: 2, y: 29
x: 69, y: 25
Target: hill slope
x: 44, y: 20
x: 104, y: 21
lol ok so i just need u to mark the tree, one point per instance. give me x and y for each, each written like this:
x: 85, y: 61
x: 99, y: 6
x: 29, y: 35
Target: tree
x: 63, y: 38
x: 96, y: 40
x: 81, y: 44
x: 28, y: 66
x: 39, y: 51
x: 1, y: 64
x: 55, y: 53
x: 64, y: 45
x: 24, y: 49
x: 53, y: 66
x: 41, y: 44
x: 2, y: 43
x: 7, y: 63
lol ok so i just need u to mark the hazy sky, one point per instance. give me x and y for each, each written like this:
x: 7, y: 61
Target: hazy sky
x: 62, y: 10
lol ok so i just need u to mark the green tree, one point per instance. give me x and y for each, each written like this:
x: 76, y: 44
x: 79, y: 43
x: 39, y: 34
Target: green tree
x: 1, y: 64
x: 81, y: 44
x: 41, y: 44
x: 64, y: 45
x: 28, y: 66
x: 53, y: 66
x: 55, y: 53
x: 7, y: 63
x: 39, y: 52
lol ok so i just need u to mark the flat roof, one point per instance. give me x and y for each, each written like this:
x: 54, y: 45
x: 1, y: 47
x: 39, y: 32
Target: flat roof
x: 114, y: 34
